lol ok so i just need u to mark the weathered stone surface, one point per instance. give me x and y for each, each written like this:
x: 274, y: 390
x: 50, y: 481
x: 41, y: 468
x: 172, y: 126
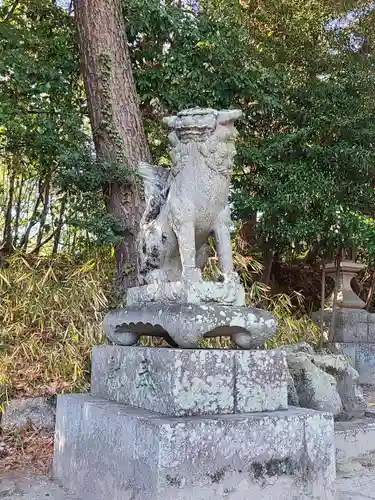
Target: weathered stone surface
x: 315, y: 388
x: 352, y: 325
x: 362, y: 356
x: 349, y: 349
x: 347, y: 378
x: 346, y: 297
x: 293, y: 399
x: 21, y: 413
x: 371, y: 329
x: 185, y: 325
x: 300, y: 347
x: 106, y: 450
x: 180, y: 292
x: 187, y: 204
x: 191, y: 382
x: 355, y: 444
x: 348, y: 332
x: 365, y: 363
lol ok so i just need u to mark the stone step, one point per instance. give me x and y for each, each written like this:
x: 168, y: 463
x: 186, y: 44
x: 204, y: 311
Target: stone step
x: 182, y: 382
x: 108, y: 450
x: 355, y: 444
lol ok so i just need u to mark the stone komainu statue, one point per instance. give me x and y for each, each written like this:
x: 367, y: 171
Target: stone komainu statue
x: 185, y: 206
x: 188, y: 203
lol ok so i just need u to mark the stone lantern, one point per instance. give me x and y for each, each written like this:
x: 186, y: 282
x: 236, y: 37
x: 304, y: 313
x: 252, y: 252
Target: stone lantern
x: 346, y: 297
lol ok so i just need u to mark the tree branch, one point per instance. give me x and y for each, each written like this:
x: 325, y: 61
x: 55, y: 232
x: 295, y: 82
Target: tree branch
x: 42, y: 243
x: 11, y: 11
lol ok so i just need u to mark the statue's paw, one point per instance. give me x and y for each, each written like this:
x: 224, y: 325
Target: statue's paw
x: 157, y: 276
x: 232, y: 278
x: 191, y: 275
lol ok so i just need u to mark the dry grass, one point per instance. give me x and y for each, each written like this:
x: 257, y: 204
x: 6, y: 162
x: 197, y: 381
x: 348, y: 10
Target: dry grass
x: 27, y: 449
x: 51, y: 313
x: 50, y: 316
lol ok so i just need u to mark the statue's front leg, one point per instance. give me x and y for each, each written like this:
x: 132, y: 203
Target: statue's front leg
x: 185, y: 233
x: 224, y: 245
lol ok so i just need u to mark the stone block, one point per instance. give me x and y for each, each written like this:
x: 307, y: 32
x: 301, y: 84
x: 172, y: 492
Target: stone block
x: 349, y: 349
x: 351, y: 316
x: 355, y: 444
x: 351, y: 331
x: 191, y: 382
x: 365, y: 363
x: 371, y: 330
x: 108, y: 450
x: 24, y: 412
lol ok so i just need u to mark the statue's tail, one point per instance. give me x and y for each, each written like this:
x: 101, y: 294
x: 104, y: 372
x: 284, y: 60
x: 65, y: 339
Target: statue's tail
x: 154, y: 180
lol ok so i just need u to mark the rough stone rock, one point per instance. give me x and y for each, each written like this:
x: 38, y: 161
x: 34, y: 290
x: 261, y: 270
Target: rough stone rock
x: 21, y: 413
x: 315, y: 388
x: 351, y: 394
x: 300, y: 347
x: 355, y: 444
x: 313, y: 372
x: 293, y: 399
x: 184, y: 382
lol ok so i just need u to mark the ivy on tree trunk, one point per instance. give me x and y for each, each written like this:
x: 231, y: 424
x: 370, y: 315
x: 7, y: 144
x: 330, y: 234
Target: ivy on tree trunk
x: 115, y: 118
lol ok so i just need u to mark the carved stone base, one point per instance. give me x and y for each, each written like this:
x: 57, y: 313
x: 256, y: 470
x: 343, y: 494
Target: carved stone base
x: 183, y: 382
x: 179, y: 292
x: 105, y: 450
x: 185, y: 325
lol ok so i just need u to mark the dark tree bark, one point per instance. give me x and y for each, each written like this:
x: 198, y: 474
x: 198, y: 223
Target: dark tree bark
x: 43, y: 216
x: 18, y: 212
x: 33, y: 220
x: 268, y: 259
x: 7, y: 234
x: 370, y: 294
x: 312, y: 254
x: 322, y: 303
x: 60, y: 224
x: 332, y: 329
x: 114, y: 114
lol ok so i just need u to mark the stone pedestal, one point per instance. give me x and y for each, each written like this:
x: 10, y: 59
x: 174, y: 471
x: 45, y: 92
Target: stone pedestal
x: 355, y: 333
x: 178, y: 382
x: 173, y: 424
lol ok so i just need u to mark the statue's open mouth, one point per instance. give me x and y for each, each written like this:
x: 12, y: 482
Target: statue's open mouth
x: 198, y: 133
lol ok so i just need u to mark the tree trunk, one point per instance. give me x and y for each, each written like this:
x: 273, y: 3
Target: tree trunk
x: 18, y: 212
x: 312, y: 254
x: 322, y: 303
x: 268, y: 258
x: 60, y: 223
x: 370, y: 292
x: 332, y: 329
x: 43, y: 216
x: 7, y: 234
x: 115, y: 116
x: 33, y: 219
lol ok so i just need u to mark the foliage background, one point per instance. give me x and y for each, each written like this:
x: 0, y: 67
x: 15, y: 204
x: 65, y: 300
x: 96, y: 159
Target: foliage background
x: 303, y: 73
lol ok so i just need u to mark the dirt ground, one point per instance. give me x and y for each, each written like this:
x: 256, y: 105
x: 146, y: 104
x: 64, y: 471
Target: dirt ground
x: 19, y: 486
